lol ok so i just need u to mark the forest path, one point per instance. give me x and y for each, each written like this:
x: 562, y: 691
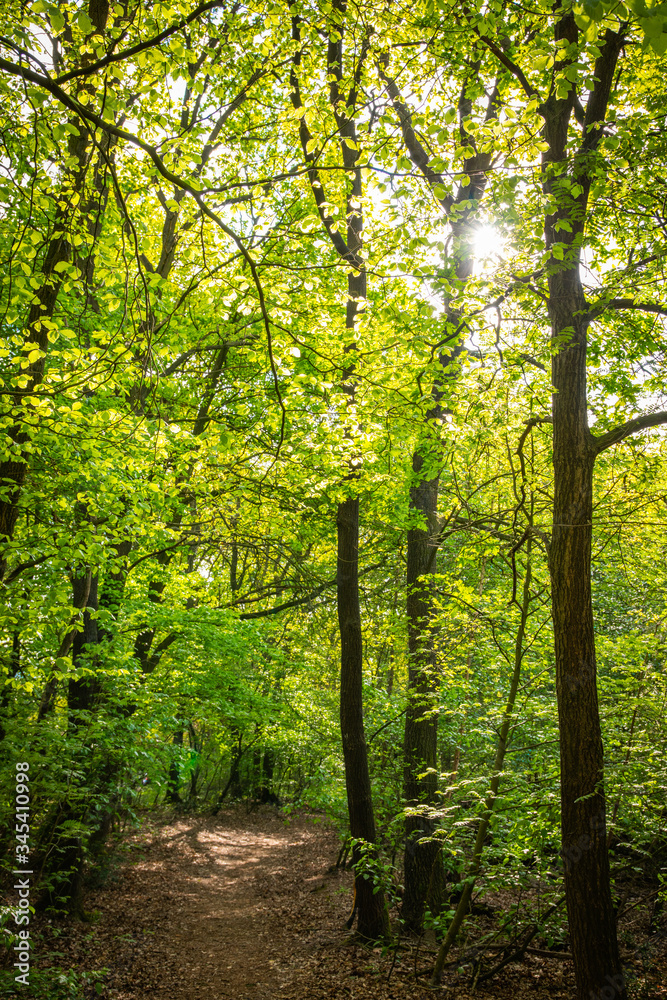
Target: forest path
x: 234, y: 906
x: 250, y: 906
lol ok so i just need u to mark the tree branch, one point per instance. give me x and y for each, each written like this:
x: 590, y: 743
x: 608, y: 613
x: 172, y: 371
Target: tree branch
x: 651, y: 307
x: 598, y: 101
x: 30, y: 564
x: 415, y: 149
x: 141, y: 46
x: 630, y: 427
x: 515, y: 70
x: 86, y: 115
x: 302, y: 600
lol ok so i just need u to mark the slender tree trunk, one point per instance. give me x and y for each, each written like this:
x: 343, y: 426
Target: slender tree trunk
x: 6, y: 693
x: 372, y: 915
x: 234, y: 784
x: 59, y: 855
x: 371, y: 909
x: 463, y: 905
x: 174, y: 777
x: 83, y: 691
x: 424, y: 873
x: 373, y: 918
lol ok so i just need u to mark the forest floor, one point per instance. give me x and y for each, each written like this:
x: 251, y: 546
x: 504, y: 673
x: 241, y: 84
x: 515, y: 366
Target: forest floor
x: 250, y: 906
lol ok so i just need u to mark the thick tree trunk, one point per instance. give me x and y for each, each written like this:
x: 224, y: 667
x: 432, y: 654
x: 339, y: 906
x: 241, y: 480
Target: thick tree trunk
x: 590, y: 909
x: 373, y: 921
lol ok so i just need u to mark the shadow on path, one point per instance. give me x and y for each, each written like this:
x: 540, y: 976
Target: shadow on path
x: 231, y: 907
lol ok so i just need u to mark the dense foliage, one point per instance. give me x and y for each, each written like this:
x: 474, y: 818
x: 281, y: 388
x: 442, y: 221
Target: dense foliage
x: 178, y: 427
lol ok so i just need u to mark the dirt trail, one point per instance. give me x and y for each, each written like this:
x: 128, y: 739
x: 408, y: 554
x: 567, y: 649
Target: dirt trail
x: 234, y: 907
x: 251, y: 907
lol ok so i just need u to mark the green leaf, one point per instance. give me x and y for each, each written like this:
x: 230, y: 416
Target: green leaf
x: 659, y: 44
x: 653, y: 27
x: 85, y: 24
x: 57, y: 20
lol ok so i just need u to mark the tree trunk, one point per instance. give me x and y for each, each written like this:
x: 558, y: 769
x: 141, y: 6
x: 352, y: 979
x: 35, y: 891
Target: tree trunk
x: 174, y: 777
x: 485, y: 821
x: 13, y: 470
x: 591, y: 917
x: 13, y: 669
x: 590, y: 910
x: 373, y: 921
x: 424, y: 874
x: 82, y: 692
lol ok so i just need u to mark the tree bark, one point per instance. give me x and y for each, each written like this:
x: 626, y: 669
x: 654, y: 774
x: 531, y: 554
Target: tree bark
x: 590, y: 909
x: 372, y: 914
x: 424, y: 873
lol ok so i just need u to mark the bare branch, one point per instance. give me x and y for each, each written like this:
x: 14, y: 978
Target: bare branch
x: 30, y: 564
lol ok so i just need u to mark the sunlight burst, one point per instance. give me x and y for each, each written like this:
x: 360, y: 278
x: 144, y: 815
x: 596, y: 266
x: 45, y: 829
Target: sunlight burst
x: 488, y: 243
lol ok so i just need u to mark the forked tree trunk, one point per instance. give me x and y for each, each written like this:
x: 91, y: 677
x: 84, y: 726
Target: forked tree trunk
x: 372, y: 915
x: 424, y: 875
